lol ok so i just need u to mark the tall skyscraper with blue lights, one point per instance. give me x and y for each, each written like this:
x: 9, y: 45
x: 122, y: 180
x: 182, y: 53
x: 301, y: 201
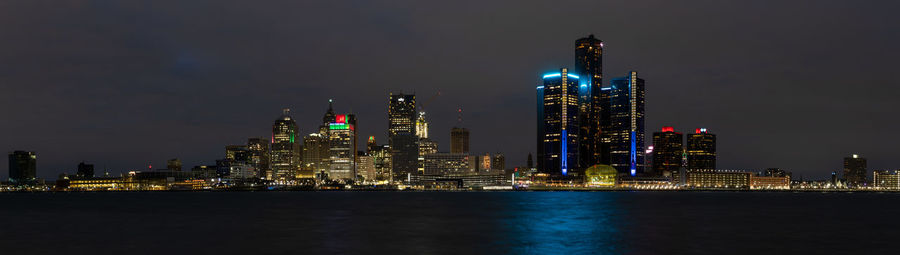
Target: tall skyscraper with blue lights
x: 557, y: 123
x: 627, y: 124
x: 589, y: 66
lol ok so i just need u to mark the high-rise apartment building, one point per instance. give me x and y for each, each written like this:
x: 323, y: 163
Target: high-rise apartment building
x: 855, y: 171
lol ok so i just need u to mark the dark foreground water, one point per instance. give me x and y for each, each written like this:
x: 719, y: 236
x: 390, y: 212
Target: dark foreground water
x: 449, y: 223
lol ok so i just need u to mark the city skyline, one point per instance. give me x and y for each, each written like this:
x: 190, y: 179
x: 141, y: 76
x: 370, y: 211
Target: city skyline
x: 177, y: 99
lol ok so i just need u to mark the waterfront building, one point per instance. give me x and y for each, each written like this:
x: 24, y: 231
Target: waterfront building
x: 701, y: 150
x: 402, y: 135
x: 627, y: 124
x: 459, y: 140
x: 855, y: 170
x: 717, y: 179
x: 557, y: 123
x: 589, y: 66
x: 782, y: 182
x: 668, y: 147
x: 600, y: 176
x: 342, y: 147
x: 259, y: 155
x: 85, y: 170
x: 446, y: 163
x: 886, y: 180
x: 285, y: 154
x: 22, y: 168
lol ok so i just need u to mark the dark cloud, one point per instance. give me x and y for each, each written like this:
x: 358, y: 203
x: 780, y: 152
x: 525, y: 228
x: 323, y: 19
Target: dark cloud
x: 791, y: 84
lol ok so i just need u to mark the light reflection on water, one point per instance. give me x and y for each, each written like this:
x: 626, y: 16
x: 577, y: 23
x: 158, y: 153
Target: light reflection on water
x: 448, y: 223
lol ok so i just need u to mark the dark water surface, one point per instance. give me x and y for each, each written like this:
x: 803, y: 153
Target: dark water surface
x: 449, y: 223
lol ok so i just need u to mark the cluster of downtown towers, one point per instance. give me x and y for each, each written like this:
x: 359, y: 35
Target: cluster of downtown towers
x: 582, y: 123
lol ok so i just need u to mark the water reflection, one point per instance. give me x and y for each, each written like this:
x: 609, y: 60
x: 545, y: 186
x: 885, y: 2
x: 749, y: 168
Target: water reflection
x: 561, y: 223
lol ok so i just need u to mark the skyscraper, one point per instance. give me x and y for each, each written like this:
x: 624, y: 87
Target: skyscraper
x: 701, y: 150
x: 316, y: 153
x: 459, y: 140
x: 668, y: 146
x: 22, y: 167
x: 285, y: 148
x: 589, y: 66
x: 855, y: 170
x: 85, y: 170
x: 402, y: 135
x: 342, y: 147
x: 558, y: 125
x: 259, y: 155
x: 627, y: 124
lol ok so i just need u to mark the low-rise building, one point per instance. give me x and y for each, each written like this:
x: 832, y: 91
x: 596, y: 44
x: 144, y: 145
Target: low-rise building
x: 889, y: 180
x: 770, y: 182
x: 717, y: 179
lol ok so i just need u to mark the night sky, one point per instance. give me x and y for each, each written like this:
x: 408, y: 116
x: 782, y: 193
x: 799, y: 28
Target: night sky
x: 120, y: 84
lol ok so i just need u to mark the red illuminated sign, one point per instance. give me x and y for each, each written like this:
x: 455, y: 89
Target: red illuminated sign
x: 668, y: 129
x: 341, y: 118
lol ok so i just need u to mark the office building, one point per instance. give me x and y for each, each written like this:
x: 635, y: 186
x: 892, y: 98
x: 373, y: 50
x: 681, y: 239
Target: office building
x: 459, y: 140
x: 855, y: 171
x: 285, y: 154
x: 498, y: 162
x: 557, y: 123
x: 589, y: 67
x: 701, y: 150
x: 447, y: 163
x: 22, y: 168
x: 237, y: 153
x: 316, y: 153
x: 627, y: 124
x: 402, y: 135
x: 365, y: 166
x: 342, y: 147
x: 259, y: 155
x: 667, y: 151
x: 85, y: 170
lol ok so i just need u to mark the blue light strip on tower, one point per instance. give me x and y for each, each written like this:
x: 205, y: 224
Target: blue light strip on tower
x: 564, y: 153
x: 552, y: 75
x: 572, y: 75
x: 633, y: 155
